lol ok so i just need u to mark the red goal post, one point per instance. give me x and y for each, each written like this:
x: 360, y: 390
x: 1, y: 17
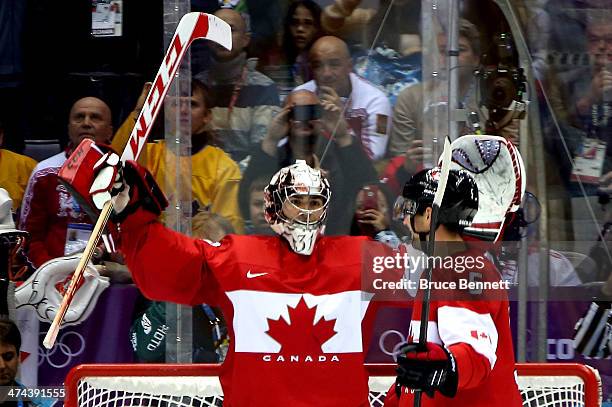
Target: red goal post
x: 541, y: 384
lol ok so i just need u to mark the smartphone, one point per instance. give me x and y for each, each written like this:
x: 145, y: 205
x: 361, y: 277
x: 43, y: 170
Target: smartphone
x: 370, y: 197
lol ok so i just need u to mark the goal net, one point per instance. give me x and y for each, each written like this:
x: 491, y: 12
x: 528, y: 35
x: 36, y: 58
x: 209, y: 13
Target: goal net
x: 171, y: 385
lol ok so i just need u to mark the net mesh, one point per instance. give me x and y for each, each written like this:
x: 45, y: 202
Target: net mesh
x: 552, y: 391
x: 205, y: 391
x: 174, y: 391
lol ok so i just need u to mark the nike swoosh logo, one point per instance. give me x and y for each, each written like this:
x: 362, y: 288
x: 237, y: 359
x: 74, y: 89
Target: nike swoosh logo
x: 253, y: 275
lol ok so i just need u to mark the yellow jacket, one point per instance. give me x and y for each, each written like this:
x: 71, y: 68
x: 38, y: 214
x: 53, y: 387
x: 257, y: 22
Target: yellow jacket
x: 215, y: 177
x: 15, y: 170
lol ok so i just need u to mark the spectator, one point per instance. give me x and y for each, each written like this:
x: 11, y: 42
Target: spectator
x: 299, y: 132
x: 408, y: 125
x: 287, y: 65
x: 372, y: 215
x: 214, y: 176
x: 10, y: 344
x: 587, y: 96
x: 301, y: 29
x: 580, y: 98
x: 15, y: 169
x: 48, y: 208
x: 253, y: 211
x: 366, y: 109
x: 244, y: 99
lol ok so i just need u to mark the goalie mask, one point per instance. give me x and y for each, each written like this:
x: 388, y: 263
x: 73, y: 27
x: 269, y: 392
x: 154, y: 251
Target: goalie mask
x: 459, y: 204
x: 497, y: 167
x: 296, y: 201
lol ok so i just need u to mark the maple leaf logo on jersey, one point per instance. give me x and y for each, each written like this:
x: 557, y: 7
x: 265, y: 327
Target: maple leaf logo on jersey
x: 301, y: 335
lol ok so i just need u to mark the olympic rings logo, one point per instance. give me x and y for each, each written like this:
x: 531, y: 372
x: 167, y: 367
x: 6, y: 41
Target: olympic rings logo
x: 60, y: 356
x: 382, y: 343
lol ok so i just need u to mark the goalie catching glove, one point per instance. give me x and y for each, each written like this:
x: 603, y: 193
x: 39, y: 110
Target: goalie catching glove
x: 429, y: 369
x: 132, y: 184
x: 94, y: 174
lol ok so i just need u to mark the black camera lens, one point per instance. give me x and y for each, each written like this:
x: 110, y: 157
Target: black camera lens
x: 501, y: 91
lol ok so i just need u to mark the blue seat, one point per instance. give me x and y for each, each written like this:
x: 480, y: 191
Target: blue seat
x: 41, y: 149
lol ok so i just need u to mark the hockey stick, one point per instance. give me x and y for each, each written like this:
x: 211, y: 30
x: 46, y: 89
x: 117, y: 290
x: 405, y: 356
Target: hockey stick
x: 192, y: 26
x: 431, y: 244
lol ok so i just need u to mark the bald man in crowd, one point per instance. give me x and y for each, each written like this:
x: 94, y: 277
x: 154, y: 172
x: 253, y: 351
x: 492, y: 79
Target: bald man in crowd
x: 366, y: 108
x: 48, y: 211
x: 299, y: 132
x: 244, y: 100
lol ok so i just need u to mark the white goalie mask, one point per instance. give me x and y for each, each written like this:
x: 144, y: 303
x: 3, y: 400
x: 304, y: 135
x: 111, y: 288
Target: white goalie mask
x: 497, y: 167
x: 296, y: 202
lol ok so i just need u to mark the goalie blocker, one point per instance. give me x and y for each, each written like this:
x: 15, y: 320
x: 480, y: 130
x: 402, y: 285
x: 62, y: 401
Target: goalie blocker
x: 93, y: 174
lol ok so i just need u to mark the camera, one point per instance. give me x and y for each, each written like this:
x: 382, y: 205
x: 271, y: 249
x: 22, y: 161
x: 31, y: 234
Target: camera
x: 305, y: 113
x: 502, y: 83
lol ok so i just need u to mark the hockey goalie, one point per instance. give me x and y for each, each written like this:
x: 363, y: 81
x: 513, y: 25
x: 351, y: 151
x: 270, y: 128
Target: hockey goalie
x: 293, y: 303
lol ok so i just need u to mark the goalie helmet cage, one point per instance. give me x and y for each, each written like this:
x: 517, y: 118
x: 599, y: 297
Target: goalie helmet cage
x: 175, y: 385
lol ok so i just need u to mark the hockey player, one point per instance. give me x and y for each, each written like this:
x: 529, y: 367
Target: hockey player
x: 469, y: 358
x: 294, y: 305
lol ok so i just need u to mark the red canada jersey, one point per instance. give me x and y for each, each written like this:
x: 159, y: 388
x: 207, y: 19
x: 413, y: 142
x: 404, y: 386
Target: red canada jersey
x: 475, y: 327
x: 296, y: 321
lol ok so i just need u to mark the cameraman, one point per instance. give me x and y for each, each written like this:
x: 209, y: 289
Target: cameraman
x: 496, y: 86
x: 302, y: 131
x: 408, y: 126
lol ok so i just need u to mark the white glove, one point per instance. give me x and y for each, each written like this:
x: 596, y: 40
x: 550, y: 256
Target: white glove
x: 109, y: 183
x: 44, y: 290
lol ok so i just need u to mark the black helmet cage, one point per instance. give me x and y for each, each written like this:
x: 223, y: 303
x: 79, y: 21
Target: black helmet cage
x: 459, y: 204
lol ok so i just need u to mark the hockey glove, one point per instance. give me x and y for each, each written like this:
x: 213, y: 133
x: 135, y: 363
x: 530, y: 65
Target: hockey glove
x: 429, y: 369
x: 132, y: 184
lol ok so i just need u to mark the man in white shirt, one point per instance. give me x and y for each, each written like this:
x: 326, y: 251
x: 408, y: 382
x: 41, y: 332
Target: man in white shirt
x: 366, y: 109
